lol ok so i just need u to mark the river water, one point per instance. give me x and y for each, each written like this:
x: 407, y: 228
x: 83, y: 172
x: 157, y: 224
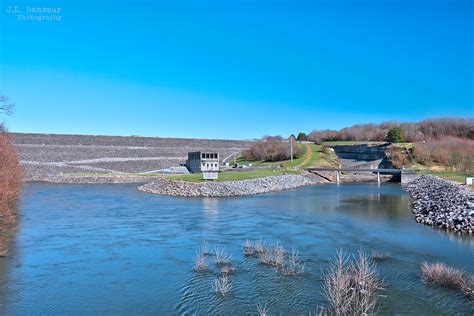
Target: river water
x: 110, y: 249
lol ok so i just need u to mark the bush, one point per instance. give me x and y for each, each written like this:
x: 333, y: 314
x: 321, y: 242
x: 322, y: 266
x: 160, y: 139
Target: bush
x: 422, y: 153
x: 272, y: 148
x: 396, y: 135
x: 455, y: 152
x: 446, y: 276
x: 351, y: 286
x: 10, y: 179
x: 399, y: 157
x: 302, y: 137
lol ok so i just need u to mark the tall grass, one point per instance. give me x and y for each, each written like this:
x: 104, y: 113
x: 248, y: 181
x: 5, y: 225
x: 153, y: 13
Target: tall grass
x: 200, y: 263
x: 262, y: 309
x: 228, y: 269
x: 272, y: 255
x: 205, y: 248
x: 450, y: 277
x: 380, y: 255
x: 222, y: 285
x: 294, y: 265
x: 275, y: 256
x: 248, y: 248
x: 222, y: 257
x: 351, y: 284
x: 11, y: 177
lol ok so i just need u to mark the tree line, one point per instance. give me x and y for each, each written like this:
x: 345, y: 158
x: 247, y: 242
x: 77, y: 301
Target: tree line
x: 431, y: 129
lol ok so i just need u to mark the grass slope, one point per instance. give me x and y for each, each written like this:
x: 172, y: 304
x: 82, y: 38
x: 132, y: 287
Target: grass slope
x: 313, y: 156
x: 457, y: 176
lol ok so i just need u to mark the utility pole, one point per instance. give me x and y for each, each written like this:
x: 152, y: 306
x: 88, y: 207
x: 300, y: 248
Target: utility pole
x: 291, y: 148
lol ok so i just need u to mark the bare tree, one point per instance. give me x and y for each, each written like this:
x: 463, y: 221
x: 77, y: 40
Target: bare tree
x: 431, y: 129
x: 6, y: 107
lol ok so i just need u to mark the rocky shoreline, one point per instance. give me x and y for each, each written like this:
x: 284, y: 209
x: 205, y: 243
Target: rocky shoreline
x: 165, y: 186
x: 442, y: 204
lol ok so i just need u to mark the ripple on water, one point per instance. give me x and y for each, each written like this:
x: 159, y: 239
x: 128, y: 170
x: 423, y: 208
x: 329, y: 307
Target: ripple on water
x: 111, y: 249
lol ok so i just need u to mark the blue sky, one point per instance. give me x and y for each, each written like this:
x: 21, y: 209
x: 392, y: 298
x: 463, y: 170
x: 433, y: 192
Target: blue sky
x: 235, y: 69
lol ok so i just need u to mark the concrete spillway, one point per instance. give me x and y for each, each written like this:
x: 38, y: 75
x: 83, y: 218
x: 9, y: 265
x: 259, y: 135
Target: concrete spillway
x: 364, y: 156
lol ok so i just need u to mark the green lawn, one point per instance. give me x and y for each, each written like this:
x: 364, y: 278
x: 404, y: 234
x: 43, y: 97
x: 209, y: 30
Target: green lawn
x: 242, y: 161
x: 297, y: 162
x: 197, y: 177
x: 457, y: 176
x: 406, y: 145
x: 90, y: 174
x: 233, y: 175
x: 313, y: 157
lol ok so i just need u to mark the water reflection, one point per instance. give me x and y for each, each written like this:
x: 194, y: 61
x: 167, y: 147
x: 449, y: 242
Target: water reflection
x: 210, y: 206
x: 375, y: 206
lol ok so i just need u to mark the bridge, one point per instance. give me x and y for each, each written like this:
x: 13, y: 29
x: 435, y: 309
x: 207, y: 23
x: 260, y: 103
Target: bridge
x: 406, y: 175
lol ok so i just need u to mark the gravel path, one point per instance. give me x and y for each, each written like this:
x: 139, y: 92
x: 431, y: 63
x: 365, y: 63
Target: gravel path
x: 165, y: 186
x: 442, y: 204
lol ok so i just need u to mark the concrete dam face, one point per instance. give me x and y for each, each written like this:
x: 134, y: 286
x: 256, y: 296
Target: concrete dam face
x: 364, y: 156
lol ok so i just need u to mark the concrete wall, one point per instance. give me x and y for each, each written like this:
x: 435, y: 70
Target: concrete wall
x: 209, y: 164
x: 407, y: 177
x: 370, y: 155
x: 362, y: 152
x: 196, y: 163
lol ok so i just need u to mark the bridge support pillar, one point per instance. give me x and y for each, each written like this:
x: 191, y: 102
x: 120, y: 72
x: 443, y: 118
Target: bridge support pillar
x: 378, y: 177
x: 337, y: 177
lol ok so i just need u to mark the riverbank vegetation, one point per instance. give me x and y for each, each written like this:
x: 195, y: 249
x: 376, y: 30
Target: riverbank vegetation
x: 10, y: 170
x: 10, y: 179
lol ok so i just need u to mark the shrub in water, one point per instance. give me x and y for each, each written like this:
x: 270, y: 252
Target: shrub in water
x: 444, y: 275
x: 351, y: 286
